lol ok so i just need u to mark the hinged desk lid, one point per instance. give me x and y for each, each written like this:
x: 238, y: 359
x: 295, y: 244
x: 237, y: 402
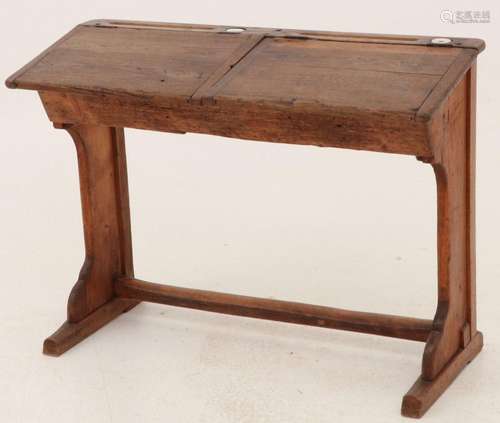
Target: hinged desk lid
x: 397, y: 78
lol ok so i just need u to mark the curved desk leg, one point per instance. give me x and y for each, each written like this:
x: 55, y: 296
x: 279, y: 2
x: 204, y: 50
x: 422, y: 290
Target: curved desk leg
x: 106, y: 221
x: 454, y: 340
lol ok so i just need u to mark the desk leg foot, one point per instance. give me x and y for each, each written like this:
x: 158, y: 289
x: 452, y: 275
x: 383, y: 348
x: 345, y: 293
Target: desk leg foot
x: 424, y: 393
x: 70, y: 334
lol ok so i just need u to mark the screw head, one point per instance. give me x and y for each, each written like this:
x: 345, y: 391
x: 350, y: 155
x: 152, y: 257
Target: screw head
x: 440, y: 41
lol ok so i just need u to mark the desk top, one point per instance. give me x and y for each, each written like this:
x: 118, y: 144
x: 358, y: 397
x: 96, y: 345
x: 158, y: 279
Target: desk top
x: 396, y: 78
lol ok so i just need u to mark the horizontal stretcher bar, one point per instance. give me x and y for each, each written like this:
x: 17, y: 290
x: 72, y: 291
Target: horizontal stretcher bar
x: 268, y: 309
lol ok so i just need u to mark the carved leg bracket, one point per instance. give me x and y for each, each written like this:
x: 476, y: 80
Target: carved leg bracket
x: 106, y: 223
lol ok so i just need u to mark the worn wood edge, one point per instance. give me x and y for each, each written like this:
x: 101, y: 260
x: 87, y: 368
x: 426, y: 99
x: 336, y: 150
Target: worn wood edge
x: 471, y: 194
x: 175, y: 101
x: 70, y: 334
x: 444, y: 87
x: 425, y: 41
x: 11, y: 81
x: 269, y: 309
x: 466, y: 43
x: 123, y: 202
x: 419, y: 40
x: 179, y: 116
x: 424, y: 393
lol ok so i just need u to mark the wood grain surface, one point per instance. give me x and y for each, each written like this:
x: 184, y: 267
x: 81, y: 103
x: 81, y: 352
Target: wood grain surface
x: 292, y: 86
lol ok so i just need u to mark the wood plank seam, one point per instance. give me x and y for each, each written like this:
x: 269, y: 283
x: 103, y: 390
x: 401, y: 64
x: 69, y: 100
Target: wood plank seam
x: 447, y: 83
x: 433, y: 88
x: 204, y: 93
x: 471, y: 195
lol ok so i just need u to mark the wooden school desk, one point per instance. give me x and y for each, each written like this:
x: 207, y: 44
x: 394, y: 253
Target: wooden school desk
x: 388, y: 93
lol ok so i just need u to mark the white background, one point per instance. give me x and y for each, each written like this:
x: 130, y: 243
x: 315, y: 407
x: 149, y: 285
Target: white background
x: 335, y: 227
